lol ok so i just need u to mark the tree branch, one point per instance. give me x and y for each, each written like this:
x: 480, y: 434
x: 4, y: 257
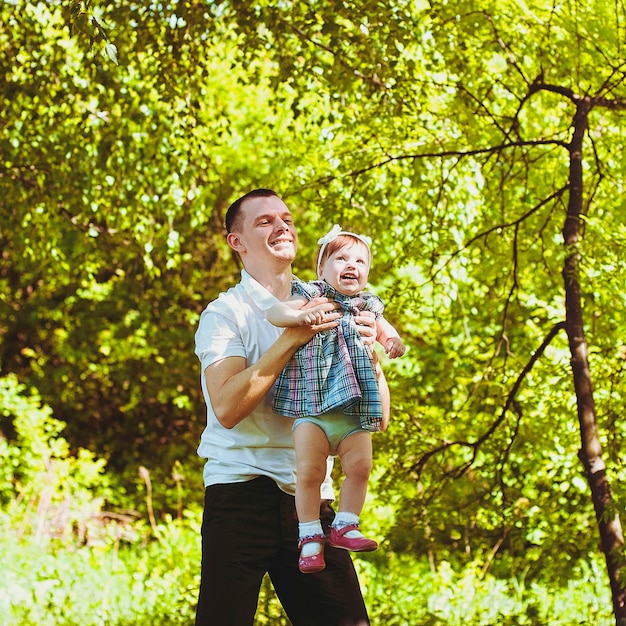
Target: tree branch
x: 419, y: 466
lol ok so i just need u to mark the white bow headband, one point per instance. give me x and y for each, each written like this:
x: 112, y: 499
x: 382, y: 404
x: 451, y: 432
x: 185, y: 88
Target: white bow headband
x: 331, y: 235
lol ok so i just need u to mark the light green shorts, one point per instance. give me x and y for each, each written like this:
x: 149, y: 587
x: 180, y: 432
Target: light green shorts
x: 336, y: 427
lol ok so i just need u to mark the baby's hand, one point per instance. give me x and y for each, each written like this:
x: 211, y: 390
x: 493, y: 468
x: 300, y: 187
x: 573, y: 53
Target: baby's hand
x: 311, y: 317
x: 394, y: 347
x: 319, y: 311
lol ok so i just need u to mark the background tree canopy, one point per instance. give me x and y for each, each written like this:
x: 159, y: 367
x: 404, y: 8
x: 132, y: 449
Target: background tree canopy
x: 443, y: 130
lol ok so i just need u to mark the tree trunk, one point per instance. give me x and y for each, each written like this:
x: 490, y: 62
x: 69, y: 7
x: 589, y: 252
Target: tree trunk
x: 590, y: 453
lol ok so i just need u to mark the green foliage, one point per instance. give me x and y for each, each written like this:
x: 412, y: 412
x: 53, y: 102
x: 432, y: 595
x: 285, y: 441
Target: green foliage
x: 45, y: 491
x: 135, y: 583
x: 114, y: 583
x: 403, y: 592
x: 71, y: 562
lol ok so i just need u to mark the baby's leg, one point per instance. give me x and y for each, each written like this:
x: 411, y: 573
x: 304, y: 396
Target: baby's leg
x: 312, y: 450
x: 355, y: 452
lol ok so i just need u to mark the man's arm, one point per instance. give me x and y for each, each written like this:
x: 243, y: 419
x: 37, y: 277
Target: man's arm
x: 385, y: 395
x: 236, y: 389
x: 368, y: 329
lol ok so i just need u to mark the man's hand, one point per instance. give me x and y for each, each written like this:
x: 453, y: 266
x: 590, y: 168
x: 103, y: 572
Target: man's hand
x: 324, y: 309
x: 366, y: 325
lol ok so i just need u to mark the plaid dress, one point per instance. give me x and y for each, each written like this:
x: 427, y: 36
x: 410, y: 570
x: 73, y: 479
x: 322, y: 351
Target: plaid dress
x: 334, y: 370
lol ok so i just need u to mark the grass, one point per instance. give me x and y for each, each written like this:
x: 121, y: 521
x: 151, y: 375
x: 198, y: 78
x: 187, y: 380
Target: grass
x: 148, y: 581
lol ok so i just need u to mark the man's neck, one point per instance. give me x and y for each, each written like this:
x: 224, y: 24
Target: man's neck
x: 277, y: 282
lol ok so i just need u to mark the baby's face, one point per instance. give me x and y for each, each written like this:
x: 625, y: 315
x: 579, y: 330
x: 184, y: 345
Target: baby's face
x: 348, y: 268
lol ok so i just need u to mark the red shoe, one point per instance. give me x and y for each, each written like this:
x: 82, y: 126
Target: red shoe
x: 315, y: 562
x: 338, y: 539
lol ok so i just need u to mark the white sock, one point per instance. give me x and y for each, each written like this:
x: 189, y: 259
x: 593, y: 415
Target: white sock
x: 343, y: 518
x: 306, y: 529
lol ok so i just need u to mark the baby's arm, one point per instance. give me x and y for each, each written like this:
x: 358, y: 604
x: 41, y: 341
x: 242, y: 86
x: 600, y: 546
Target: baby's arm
x: 289, y: 313
x: 388, y: 337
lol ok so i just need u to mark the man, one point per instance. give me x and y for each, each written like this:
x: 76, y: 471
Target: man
x: 249, y: 525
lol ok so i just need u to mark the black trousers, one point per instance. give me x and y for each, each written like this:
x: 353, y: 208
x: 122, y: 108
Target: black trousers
x: 251, y: 528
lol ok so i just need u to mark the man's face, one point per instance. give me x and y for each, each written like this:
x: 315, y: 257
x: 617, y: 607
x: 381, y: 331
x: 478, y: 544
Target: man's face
x: 266, y: 231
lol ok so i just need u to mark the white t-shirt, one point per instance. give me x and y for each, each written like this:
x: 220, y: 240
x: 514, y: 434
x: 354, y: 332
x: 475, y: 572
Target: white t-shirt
x: 262, y: 443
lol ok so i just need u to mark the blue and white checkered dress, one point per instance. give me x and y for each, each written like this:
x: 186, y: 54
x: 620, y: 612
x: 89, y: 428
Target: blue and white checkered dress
x: 334, y: 370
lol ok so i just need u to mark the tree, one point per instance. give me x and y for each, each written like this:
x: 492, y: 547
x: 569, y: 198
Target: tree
x: 590, y: 452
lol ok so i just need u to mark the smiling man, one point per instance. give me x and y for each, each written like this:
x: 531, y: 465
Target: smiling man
x: 249, y: 525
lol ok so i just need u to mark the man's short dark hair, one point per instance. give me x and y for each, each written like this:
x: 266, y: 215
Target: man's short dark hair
x: 232, y: 214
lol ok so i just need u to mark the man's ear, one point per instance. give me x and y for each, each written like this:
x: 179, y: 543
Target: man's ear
x: 235, y: 242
